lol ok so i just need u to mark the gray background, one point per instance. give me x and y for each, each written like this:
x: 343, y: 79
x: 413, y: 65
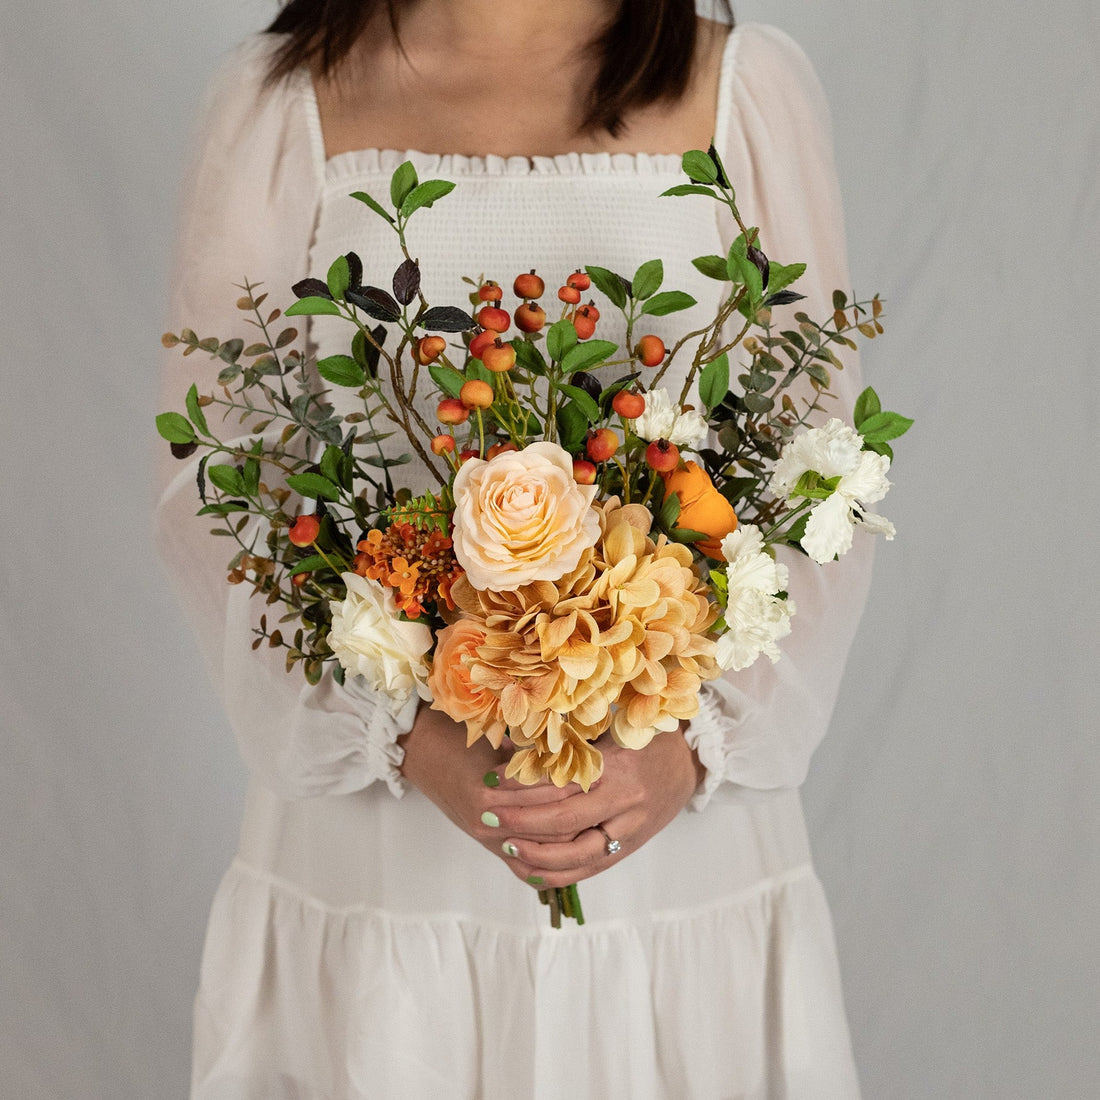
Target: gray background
x: 953, y: 807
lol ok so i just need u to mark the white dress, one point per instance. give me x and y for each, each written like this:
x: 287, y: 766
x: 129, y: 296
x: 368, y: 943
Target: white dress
x: 360, y: 945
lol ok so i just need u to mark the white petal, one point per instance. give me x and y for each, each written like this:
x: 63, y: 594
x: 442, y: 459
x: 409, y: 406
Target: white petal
x: 829, y: 530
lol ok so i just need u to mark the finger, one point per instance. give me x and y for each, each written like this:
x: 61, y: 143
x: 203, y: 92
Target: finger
x: 559, y: 864
x: 558, y: 820
x: 511, y: 791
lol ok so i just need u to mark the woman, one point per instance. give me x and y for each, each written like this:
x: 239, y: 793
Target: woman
x: 361, y: 946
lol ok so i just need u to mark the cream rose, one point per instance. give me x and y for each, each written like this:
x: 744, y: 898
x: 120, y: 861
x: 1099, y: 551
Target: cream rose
x: 521, y: 517
x: 369, y: 640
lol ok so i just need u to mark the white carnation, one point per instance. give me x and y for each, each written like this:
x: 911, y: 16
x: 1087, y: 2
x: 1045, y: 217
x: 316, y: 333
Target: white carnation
x: 835, y: 450
x: 370, y: 640
x: 664, y: 419
x: 756, y: 616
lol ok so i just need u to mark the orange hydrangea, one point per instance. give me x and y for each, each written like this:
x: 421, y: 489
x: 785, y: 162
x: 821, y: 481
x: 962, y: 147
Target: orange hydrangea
x: 622, y: 643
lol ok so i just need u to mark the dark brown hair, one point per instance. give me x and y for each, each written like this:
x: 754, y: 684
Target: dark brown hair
x: 644, y: 56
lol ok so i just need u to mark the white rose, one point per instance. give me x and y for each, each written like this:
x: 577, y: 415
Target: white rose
x: 835, y: 450
x: 370, y: 640
x: 663, y: 419
x: 521, y: 517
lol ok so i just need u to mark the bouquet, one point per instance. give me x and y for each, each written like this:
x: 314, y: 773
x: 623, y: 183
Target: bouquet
x: 580, y: 548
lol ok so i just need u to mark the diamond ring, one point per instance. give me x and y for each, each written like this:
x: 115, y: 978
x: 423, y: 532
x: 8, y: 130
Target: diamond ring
x: 612, y: 846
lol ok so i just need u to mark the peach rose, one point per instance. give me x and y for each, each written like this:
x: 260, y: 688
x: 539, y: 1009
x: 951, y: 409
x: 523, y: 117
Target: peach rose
x: 521, y: 517
x: 702, y: 507
x: 452, y: 690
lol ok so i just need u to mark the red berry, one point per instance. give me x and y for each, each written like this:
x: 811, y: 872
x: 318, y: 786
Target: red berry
x: 650, y: 350
x: 452, y: 411
x: 493, y: 317
x: 499, y: 357
x: 628, y: 404
x: 601, y: 444
x: 500, y: 448
x: 530, y: 317
x: 489, y: 291
x: 584, y: 324
x: 584, y: 473
x: 476, y: 394
x: 443, y: 444
x: 591, y: 310
x: 304, y: 530
x: 466, y: 455
x: 481, y: 341
x: 579, y: 280
x: 528, y: 285
x: 569, y: 294
x: 300, y: 579
x: 662, y: 456
x: 430, y: 348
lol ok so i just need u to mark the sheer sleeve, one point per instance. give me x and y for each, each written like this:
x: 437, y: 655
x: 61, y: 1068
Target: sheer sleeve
x: 758, y: 728
x: 248, y: 209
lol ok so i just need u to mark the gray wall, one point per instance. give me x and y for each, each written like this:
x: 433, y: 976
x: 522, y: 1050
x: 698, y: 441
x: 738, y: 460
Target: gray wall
x: 953, y: 806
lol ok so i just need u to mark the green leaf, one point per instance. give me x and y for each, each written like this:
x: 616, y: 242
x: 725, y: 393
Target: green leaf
x: 402, y: 182
x: 670, y: 511
x: 251, y: 475
x: 713, y: 267
x: 425, y: 194
x: 587, y: 354
x: 313, y: 485
x: 867, y: 405
x: 812, y: 485
x: 572, y: 426
x: 175, y: 428
x: 308, y: 565
x: 608, y: 283
x: 714, y: 381
x: 883, y: 426
x: 582, y: 399
x: 698, y: 166
x: 223, y: 508
x: 339, y: 277
x: 668, y: 301
x: 758, y: 403
x: 687, y: 535
x: 840, y: 299
x: 478, y: 370
x: 647, y: 279
x: 560, y: 337
x: 341, y: 370
x: 688, y: 189
x: 781, y: 276
x: 528, y: 357
x: 313, y: 307
x: 743, y: 270
x: 331, y: 462
x: 377, y: 207
x: 879, y: 448
x: 446, y: 378
x: 228, y: 479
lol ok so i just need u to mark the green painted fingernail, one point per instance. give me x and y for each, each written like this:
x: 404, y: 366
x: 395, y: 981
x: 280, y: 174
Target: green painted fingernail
x: 510, y: 849
x: 489, y: 818
x: 491, y: 779
x: 535, y: 880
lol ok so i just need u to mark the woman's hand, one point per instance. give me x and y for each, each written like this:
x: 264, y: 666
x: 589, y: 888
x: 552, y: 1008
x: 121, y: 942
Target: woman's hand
x: 639, y: 793
x: 438, y: 763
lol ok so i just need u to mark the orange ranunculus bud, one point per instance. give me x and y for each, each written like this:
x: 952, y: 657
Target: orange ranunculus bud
x: 702, y: 507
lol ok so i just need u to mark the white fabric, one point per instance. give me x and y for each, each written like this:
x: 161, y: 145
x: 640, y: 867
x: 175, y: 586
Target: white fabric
x: 360, y: 945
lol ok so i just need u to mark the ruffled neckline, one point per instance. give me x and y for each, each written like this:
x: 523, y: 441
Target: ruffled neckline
x: 382, y: 162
